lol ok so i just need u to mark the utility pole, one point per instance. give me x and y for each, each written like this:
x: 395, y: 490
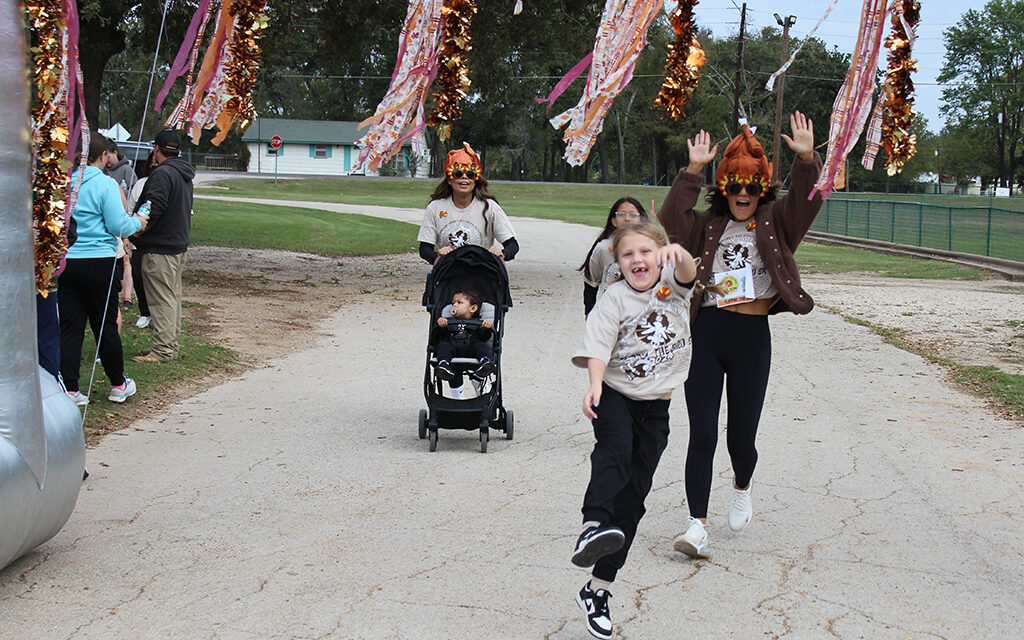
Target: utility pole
x: 739, y: 65
x: 786, y: 23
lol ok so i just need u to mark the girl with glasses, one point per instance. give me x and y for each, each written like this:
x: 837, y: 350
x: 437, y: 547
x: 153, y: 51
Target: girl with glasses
x: 462, y: 211
x: 599, y: 267
x: 745, y: 242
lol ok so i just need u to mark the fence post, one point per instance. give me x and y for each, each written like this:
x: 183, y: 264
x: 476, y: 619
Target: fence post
x: 920, y: 222
x: 988, y: 233
x: 847, y: 219
x: 950, y: 210
x: 868, y: 235
x: 892, y: 228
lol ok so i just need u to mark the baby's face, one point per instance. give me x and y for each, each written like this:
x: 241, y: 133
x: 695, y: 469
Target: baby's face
x: 461, y: 307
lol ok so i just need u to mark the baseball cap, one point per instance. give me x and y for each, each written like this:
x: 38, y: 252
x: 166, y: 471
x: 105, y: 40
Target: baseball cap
x: 168, y: 139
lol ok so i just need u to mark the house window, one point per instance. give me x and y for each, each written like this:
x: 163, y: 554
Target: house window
x: 319, y: 151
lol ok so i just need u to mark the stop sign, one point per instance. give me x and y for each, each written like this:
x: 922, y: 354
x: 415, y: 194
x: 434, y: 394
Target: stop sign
x: 275, y: 142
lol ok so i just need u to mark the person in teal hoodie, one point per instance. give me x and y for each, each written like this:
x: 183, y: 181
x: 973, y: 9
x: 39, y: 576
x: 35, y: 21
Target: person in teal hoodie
x: 86, y: 289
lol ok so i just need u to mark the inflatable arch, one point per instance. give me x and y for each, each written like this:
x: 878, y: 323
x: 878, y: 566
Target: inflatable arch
x: 42, y: 450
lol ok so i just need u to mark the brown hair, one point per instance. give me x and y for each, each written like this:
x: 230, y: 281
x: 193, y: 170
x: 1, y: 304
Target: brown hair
x: 609, y: 229
x: 97, y: 145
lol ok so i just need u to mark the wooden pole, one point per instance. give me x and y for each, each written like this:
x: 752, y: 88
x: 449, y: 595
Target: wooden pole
x: 739, y: 66
x: 780, y: 87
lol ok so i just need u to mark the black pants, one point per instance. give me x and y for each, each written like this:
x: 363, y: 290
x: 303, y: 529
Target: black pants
x: 631, y: 436
x: 137, y: 284
x: 48, y: 333
x: 446, y: 350
x: 738, y: 348
x: 81, y: 296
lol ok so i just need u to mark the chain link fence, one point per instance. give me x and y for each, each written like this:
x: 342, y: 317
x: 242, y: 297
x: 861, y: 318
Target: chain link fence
x: 988, y: 231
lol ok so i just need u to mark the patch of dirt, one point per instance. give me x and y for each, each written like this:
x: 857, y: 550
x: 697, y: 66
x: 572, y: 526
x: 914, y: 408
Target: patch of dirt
x: 264, y: 305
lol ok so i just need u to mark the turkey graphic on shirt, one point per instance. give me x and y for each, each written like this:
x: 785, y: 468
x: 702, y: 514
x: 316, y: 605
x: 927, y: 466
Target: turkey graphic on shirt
x: 652, y: 337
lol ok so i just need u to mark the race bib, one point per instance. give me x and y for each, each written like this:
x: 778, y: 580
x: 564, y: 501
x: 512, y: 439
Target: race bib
x: 739, y: 286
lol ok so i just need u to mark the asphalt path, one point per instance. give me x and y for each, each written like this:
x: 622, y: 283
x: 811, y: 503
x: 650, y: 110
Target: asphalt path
x: 297, y: 501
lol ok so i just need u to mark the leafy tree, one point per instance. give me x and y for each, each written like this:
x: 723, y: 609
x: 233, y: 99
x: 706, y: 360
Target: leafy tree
x: 985, y: 69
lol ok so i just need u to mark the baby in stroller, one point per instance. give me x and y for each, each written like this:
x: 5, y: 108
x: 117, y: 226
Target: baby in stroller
x: 462, y: 332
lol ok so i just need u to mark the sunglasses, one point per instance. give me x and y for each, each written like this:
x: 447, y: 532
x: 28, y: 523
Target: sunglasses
x: 627, y: 214
x: 458, y: 173
x: 752, y: 188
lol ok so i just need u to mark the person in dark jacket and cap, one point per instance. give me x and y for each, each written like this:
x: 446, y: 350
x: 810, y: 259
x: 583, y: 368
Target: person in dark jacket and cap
x: 168, y: 196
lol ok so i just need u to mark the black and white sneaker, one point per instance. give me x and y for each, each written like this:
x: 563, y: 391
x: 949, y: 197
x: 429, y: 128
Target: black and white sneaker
x: 595, y: 543
x: 485, y: 369
x: 595, y: 605
x: 444, y: 370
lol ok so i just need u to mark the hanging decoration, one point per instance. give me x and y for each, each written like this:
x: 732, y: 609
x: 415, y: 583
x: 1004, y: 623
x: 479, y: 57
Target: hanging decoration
x: 220, y: 94
x: 853, y: 102
x: 621, y: 37
x: 682, y: 67
x: 898, y: 115
x: 400, y: 114
x: 453, y: 71
x: 56, y: 129
x: 770, y: 85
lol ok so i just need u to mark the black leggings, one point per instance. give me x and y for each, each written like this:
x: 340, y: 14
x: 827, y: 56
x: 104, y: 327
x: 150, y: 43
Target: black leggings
x: 82, y: 297
x: 737, y: 347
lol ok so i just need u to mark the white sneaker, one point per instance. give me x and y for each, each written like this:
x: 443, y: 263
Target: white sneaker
x: 80, y: 398
x: 142, y: 322
x: 741, y: 510
x: 694, y: 542
x: 120, y: 394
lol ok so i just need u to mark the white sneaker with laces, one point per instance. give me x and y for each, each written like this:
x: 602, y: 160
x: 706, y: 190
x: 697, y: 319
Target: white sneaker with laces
x: 142, y: 322
x: 694, y: 542
x: 741, y: 509
x: 79, y: 398
x: 120, y: 394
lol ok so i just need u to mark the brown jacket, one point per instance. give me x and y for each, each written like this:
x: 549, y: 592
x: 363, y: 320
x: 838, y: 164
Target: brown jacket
x: 781, y: 226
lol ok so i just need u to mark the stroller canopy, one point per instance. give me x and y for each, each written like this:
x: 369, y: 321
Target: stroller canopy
x: 468, y: 267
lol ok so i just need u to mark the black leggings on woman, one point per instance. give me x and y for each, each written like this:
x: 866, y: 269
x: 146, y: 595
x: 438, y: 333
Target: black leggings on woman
x: 738, y: 348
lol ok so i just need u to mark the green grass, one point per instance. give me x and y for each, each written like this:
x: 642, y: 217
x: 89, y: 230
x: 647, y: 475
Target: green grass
x: 1005, y: 390
x: 234, y: 224
x: 198, y: 358
x: 818, y: 258
x: 579, y: 203
x: 1013, y: 204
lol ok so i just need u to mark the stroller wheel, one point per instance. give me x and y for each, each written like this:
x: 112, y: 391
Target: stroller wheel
x: 423, y: 424
x: 509, y: 424
x: 484, y: 437
x: 433, y: 439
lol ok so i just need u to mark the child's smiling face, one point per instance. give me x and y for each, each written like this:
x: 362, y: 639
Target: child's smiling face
x: 638, y: 261
x: 461, y: 308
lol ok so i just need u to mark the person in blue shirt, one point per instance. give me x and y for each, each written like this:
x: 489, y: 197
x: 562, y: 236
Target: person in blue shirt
x: 87, y: 288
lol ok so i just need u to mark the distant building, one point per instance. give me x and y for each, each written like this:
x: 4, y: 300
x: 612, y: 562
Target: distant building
x: 316, y: 147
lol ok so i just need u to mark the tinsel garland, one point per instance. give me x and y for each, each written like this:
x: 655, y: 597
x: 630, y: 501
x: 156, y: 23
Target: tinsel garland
x: 682, y: 67
x: 453, y: 74
x: 250, y: 22
x: 49, y: 137
x: 898, y: 113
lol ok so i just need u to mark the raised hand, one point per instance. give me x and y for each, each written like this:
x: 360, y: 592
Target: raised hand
x: 701, y: 151
x: 802, y: 142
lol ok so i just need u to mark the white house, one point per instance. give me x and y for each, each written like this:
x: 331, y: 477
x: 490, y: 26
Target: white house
x: 314, y: 147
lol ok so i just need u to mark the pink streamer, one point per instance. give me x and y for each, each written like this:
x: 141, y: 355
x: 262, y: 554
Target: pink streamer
x: 180, y: 65
x: 566, y: 80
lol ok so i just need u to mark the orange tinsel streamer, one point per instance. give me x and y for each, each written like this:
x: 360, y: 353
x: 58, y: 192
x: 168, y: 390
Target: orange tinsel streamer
x: 245, y: 59
x: 49, y: 137
x: 898, y: 112
x: 682, y: 67
x: 453, y: 73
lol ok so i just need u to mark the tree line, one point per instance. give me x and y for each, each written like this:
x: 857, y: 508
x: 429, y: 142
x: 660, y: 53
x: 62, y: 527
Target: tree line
x: 331, y: 60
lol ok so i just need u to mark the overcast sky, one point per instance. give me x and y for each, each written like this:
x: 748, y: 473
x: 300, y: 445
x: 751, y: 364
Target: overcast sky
x: 840, y: 29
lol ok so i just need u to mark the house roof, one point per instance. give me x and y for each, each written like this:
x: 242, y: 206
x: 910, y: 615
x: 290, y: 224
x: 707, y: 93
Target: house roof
x: 303, y: 131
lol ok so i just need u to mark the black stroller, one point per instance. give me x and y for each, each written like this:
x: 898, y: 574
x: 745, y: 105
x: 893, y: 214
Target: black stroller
x: 476, y: 268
